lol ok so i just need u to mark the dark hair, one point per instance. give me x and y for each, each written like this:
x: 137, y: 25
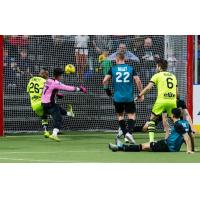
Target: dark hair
x: 120, y: 55
x: 176, y: 112
x: 58, y: 71
x: 44, y: 68
x: 163, y: 64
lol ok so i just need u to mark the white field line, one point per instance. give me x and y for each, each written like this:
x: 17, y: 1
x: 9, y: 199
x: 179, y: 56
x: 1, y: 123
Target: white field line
x: 50, y: 152
x: 35, y: 160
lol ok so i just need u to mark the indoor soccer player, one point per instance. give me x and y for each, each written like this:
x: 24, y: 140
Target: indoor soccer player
x: 167, y: 91
x: 34, y: 88
x: 179, y: 134
x: 122, y: 76
x: 51, y: 88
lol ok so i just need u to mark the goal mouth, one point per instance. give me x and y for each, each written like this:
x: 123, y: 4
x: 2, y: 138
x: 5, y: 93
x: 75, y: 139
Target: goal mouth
x: 92, y: 57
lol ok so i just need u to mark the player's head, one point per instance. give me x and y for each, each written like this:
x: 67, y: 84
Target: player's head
x: 148, y: 42
x: 176, y: 114
x: 120, y: 58
x: 122, y: 48
x: 57, y: 73
x: 44, y: 73
x: 161, y: 65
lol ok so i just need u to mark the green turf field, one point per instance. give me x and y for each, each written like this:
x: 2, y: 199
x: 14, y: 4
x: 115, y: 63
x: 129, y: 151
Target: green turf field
x: 82, y: 147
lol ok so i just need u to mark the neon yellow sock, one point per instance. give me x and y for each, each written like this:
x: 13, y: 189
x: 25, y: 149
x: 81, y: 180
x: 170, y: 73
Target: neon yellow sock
x: 151, y: 136
x: 151, y: 130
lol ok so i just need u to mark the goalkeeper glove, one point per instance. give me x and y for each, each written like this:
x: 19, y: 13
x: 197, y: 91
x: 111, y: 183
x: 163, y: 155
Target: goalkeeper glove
x: 81, y: 89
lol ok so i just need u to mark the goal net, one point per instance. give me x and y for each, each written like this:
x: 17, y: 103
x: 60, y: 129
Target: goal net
x: 24, y: 56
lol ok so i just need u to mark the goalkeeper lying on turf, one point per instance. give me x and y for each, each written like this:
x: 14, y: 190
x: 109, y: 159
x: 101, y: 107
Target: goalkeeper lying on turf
x: 180, y: 133
x: 34, y: 88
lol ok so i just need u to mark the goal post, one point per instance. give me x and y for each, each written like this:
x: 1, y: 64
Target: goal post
x: 24, y: 57
x: 190, y: 66
x: 1, y: 88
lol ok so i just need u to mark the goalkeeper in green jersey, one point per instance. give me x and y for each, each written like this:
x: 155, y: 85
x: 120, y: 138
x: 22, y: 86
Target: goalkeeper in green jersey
x: 35, y: 88
x: 167, y: 92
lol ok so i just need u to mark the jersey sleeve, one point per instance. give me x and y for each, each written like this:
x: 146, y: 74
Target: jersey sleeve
x: 154, y: 79
x: 180, y: 129
x: 61, y: 86
x: 134, y: 72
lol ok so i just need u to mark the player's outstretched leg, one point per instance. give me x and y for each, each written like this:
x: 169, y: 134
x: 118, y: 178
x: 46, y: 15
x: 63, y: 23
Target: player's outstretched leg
x: 45, y: 126
x: 70, y: 112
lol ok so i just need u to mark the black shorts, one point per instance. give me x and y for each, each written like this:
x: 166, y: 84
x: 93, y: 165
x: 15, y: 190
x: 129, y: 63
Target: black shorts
x: 159, y: 146
x: 127, y: 107
x: 181, y: 104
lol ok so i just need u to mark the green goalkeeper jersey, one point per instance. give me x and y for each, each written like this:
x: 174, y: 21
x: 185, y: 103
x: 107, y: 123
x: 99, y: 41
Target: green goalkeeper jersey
x: 34, y: 88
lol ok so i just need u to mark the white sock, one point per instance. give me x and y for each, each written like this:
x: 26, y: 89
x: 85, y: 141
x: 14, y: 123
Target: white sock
x: 55, y: 132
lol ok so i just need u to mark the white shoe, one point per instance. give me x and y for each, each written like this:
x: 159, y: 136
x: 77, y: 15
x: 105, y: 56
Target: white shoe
x: 126, y: 140
x: 120, y: 133
x: 130, y: 138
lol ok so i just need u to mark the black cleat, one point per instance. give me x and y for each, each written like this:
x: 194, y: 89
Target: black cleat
x: 113, y: 147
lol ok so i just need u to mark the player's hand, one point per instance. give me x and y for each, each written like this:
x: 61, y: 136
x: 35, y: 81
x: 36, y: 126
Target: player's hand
x: 83, y: 89
x: 108, y: 92
x: 139, y: 98
x: 60, y: 96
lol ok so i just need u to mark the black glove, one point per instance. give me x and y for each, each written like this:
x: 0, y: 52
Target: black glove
x: 108, y: 92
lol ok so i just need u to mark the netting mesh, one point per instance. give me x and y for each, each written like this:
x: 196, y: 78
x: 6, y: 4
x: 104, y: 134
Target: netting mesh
x: 24, y: 56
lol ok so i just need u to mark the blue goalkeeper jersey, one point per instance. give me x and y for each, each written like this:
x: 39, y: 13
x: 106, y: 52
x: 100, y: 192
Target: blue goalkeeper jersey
x: 122, y: 79
x: 175, y: 139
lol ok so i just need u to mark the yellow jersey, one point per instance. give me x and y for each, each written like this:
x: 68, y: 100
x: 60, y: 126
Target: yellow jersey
x: 166, y: 84
x: 35, y: 88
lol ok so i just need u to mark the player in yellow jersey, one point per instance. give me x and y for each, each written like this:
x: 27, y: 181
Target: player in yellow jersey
x: 35, y: 88
x: 167, y: 92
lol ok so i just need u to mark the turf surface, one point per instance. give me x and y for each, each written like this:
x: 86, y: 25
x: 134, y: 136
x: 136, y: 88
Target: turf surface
x: 77, y: 147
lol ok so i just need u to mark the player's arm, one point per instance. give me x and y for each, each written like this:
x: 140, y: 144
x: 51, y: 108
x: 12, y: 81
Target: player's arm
x: 188, y: 143
x: 182, y: 131
x: 144, y: 91
x: 106, y: 81
x: 138, y: 83
x: 187, y: 116
x: 61, y: 86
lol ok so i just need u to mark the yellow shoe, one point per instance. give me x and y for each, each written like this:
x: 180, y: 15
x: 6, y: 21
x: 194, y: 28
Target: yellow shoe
x: 46, y: 134
x: 70, y: 112
x: 53, y: 137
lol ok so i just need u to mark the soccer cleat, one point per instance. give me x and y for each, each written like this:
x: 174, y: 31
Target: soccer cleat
x: 130, y: 138
x: 126, y: 140
x: 53, y: 137
x: 46, y: 134
x: 70, y: 112
x: 113, y: 147
x: 120, y: 133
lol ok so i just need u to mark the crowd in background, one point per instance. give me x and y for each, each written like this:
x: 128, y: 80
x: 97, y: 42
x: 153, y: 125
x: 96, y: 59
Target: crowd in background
x: 94, y: 54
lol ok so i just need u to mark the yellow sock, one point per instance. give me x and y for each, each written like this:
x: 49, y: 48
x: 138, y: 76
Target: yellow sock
x: 151, y: 136
x: 151, y: 130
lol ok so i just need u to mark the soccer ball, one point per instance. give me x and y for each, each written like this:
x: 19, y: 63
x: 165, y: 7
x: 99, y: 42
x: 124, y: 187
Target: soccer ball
x: 70, y: 69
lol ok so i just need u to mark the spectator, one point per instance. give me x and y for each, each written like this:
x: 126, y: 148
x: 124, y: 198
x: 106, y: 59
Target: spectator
x: 147, y: 54
x: 9, y: 70
x: 15, y: 42
x: 102, y: 43
x: 24, y: 65
x: 105, y: 63
x: 129, y: 56
x: 81, y: 54
x: 118, y: 39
